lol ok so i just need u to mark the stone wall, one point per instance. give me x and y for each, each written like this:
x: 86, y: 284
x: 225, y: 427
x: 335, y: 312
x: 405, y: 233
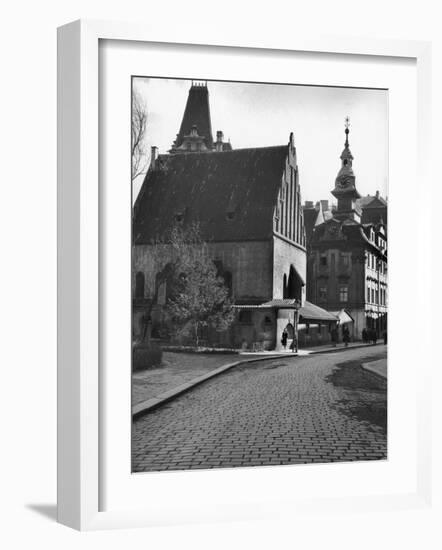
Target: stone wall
x: 249, y: 262
x: 286, y: 254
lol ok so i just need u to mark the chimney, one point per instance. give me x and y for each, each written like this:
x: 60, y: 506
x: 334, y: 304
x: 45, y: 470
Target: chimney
x: 219, y: 140
x: 308, y: 204
x: 324, y: 204
x: 377, y: 194
x: 153, y: 156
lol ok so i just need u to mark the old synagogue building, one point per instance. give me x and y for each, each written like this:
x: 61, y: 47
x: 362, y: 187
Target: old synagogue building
x: 247, y: 203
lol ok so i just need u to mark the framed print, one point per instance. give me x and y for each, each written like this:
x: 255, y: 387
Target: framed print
x: 230, y: 265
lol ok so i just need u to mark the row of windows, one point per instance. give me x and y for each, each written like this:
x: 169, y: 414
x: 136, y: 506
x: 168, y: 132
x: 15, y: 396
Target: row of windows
x: 376, y: 295
x: 378, y: 239
x: 162, y: 287
x: 344, y: 259
x: 374, y: 263
x: 342, y: 293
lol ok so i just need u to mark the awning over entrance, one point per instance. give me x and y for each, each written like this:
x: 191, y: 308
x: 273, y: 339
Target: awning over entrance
x: 311, y: 313
x: 283, y: 303
x: 343, y: 316
x: 308, y: 313
x: 286, y: 303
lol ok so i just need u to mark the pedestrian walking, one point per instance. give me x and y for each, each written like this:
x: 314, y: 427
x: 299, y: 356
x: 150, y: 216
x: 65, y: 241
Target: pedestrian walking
x: 365, y: 336
x: 294, y: 344
x: 284, y: 338
x: 346, y: 336
x: 334, y: 336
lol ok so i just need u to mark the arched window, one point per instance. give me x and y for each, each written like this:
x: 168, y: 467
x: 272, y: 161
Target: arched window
x: 227, y: 276
x: 139, y: 285
x: 284, y: 286
x: 163, y: 286
x: 161, y: 290
x: 295, y: 284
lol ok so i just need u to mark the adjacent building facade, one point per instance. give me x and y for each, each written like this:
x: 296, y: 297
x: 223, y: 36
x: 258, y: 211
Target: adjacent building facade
x: 347, y: 253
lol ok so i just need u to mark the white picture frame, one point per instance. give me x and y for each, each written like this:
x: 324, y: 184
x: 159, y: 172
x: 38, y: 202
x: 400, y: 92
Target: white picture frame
x: 79, y: 273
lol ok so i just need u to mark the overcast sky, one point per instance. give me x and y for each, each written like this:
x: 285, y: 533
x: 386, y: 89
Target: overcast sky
x: 259, y: 115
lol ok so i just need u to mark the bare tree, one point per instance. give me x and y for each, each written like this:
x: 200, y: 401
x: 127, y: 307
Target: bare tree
x: 139, y: 127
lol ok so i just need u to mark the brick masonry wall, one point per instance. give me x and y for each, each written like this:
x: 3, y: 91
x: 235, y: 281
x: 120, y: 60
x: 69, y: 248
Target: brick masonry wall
x: 249, y: 262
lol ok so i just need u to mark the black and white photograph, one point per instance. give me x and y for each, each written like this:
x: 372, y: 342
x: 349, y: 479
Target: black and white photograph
x: 259, y: 274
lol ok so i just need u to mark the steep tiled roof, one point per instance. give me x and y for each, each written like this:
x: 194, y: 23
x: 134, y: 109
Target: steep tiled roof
x: 371, y: 202
x: 197, y: 113
x: 310, y: 215
x: 230, y: 194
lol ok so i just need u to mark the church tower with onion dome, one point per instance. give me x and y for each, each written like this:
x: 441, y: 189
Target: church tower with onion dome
x: 347, y: 262
x: 345, y: 185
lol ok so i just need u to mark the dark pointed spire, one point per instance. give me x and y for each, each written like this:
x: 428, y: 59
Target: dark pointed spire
x: 346, y: 156
x: 196, y: 114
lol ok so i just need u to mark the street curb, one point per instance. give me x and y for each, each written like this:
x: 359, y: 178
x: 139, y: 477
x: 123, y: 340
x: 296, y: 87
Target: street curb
x: 366, y: 366
x: 336, y: 349
x: 149, y: 404
x: 154, y: 402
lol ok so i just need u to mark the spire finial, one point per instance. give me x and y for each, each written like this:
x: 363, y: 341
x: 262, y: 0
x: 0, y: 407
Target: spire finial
x: 347, y: 129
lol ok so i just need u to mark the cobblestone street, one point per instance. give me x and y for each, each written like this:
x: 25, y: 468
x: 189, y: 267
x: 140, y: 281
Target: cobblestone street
x: 320, y: 408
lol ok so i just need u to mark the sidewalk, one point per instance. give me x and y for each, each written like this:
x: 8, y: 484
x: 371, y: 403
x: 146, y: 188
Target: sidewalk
x: 177, y: 369
x: 316, y: 349
x: 140, y: 407
x: 378, y: 367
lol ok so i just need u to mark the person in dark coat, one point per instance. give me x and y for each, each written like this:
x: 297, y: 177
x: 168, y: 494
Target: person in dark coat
x: 374, y: 336
x: 284, y: 338
x: 346, y: 336
x: 334, y: 336
x: 364, y: 336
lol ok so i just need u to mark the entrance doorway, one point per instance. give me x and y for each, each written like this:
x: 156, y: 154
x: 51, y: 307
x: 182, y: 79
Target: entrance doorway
x: 292, y: 287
